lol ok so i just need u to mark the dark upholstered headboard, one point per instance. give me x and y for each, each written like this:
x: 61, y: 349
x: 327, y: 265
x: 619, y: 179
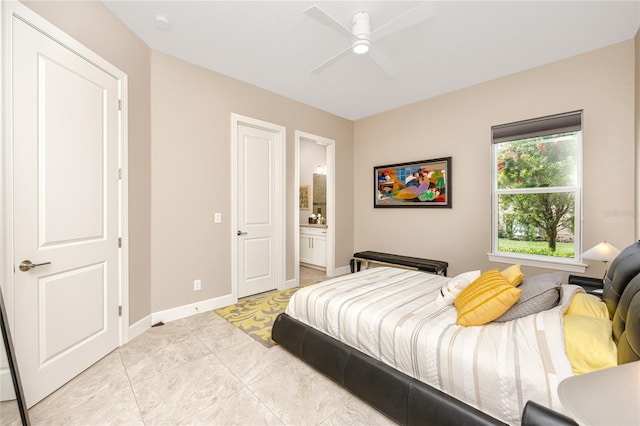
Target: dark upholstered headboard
x: 622, y: 296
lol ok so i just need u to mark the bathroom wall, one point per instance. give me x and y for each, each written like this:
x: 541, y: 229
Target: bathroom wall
x: 311, y: 156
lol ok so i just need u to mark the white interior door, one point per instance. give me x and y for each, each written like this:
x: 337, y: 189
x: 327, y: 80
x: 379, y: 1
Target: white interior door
x: 258, y: 209
x: 66, y: 211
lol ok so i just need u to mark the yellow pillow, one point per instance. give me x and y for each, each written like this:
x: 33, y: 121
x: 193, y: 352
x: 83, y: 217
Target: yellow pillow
x: 589, y: 343
x: 485, y: 299
x: 587, y: 305
x: 513, y: 275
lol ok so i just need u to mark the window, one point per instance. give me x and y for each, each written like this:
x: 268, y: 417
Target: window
x: 537, y: 179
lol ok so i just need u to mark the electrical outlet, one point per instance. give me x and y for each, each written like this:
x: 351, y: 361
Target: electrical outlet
x: 217, y: 218
x: 197, y: 285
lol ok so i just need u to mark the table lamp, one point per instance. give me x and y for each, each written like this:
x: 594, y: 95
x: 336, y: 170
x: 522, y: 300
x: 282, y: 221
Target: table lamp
x: 604, y: 252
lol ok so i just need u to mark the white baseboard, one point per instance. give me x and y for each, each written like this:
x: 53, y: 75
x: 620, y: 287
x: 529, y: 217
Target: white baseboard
x: 192, y: 309
x: 343, y: 270
x: 185, y: 311
x: 7, y: 391
x: 139, y: 327
x: 177, y: 313
x: 290, y: 284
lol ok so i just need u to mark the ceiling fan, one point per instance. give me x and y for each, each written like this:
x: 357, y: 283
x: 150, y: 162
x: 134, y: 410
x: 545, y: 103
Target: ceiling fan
x: 362, y: 38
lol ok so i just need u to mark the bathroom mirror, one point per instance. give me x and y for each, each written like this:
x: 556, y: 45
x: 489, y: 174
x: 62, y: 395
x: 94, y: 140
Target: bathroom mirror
x: 13, y: 411
x: 320, y: 194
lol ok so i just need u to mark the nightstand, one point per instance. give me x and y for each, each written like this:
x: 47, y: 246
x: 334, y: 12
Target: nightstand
x: 591, y: 285
x: 603, y: 397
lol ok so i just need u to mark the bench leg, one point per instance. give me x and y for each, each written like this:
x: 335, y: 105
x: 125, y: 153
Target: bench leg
x: 352, y: 265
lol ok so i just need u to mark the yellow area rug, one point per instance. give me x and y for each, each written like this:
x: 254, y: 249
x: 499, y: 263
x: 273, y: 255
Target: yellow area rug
x: 256, y: 316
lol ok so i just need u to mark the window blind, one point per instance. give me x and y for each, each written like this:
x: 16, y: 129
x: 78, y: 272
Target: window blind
x: 553, y: 124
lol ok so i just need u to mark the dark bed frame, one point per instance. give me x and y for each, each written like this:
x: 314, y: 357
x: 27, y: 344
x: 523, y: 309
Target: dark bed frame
x: 409, y: 401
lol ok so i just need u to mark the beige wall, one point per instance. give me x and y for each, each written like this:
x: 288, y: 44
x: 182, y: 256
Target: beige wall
x: 191, y: 115
x: 637, y: 129
x: 190, y: 151
x: 458, y: 125
x: 191, y: 110
x: 93, y: 25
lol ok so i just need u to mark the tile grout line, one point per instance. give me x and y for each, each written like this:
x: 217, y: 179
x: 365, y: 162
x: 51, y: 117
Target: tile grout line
x: 245, y: 385
x: 135, y: 398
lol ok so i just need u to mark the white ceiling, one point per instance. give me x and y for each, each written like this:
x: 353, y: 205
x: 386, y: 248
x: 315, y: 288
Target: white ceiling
x: 274, y: 45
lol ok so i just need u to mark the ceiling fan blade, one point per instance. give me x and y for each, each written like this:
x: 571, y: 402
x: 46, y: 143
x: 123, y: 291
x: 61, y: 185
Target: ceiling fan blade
x: 411, y: 17
x: 383, y: 61
x: 321, y: 16
x: 326, y: 64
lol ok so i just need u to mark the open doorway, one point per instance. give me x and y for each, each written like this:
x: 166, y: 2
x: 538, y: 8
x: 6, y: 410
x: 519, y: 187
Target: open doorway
x: 315, y: 224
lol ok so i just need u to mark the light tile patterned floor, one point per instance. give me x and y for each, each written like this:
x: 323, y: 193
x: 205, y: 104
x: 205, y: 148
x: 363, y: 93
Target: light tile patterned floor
x: 201, y: 370
x: 311, y: 275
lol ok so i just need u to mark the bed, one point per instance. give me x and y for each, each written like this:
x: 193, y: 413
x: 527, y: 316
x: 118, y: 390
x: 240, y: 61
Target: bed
x: 424, y: 368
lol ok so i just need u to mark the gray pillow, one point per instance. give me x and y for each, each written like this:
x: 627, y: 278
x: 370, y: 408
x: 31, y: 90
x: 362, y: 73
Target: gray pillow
x: 539, y: 293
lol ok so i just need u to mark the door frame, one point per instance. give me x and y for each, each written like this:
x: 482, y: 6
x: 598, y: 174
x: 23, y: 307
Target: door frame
x: 330, y: 145
x: 8, y: 11
x: 280, y: 167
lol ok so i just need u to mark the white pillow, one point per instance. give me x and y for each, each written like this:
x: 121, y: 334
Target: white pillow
x: 452, y: 288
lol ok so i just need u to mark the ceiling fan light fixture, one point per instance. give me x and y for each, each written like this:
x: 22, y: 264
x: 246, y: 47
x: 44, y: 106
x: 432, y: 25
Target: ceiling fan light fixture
x: 361, y: 46
x: 361, y: 28
x: 361, y: 24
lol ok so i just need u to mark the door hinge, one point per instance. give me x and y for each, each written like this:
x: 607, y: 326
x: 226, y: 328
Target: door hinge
x: 119, y: 242
x: 119, y: 174
x: 120, y: 310
x: 119, y: 104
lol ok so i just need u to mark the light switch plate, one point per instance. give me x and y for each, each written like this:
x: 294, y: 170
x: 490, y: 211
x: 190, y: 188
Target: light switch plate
x: 217, y: 218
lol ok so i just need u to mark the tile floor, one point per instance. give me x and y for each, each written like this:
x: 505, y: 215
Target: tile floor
x: 201, y: 370
x: 311, y: 275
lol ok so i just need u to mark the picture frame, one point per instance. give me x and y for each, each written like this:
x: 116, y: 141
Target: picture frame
x: 425, y: 183
x: 305, y: 197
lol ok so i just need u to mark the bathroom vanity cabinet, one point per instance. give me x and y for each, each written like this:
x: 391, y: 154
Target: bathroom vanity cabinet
x: 313, y: 246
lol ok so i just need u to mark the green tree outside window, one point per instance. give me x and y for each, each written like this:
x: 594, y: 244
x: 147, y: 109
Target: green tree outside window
x: 536, y: 179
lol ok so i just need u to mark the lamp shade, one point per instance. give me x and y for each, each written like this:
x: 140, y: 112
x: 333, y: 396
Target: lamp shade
x: 604, y: 252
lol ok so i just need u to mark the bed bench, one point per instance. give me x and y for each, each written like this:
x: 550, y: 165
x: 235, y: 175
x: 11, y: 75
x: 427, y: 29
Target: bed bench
x: 438, y: 267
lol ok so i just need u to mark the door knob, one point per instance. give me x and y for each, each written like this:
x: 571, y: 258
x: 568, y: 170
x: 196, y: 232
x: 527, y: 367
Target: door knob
x: 242, y: 233
x: 26, y: 265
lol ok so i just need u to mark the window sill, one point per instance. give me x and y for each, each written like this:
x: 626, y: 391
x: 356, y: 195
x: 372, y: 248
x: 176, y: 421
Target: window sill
x: 560, y: 264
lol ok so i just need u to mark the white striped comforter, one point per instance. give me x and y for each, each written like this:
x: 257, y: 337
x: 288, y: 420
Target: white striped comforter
x: 391, y: 315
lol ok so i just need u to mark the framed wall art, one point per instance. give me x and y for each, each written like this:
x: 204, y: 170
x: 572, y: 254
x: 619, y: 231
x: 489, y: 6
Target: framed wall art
x: 305, y: 197
x: 416, y: 184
